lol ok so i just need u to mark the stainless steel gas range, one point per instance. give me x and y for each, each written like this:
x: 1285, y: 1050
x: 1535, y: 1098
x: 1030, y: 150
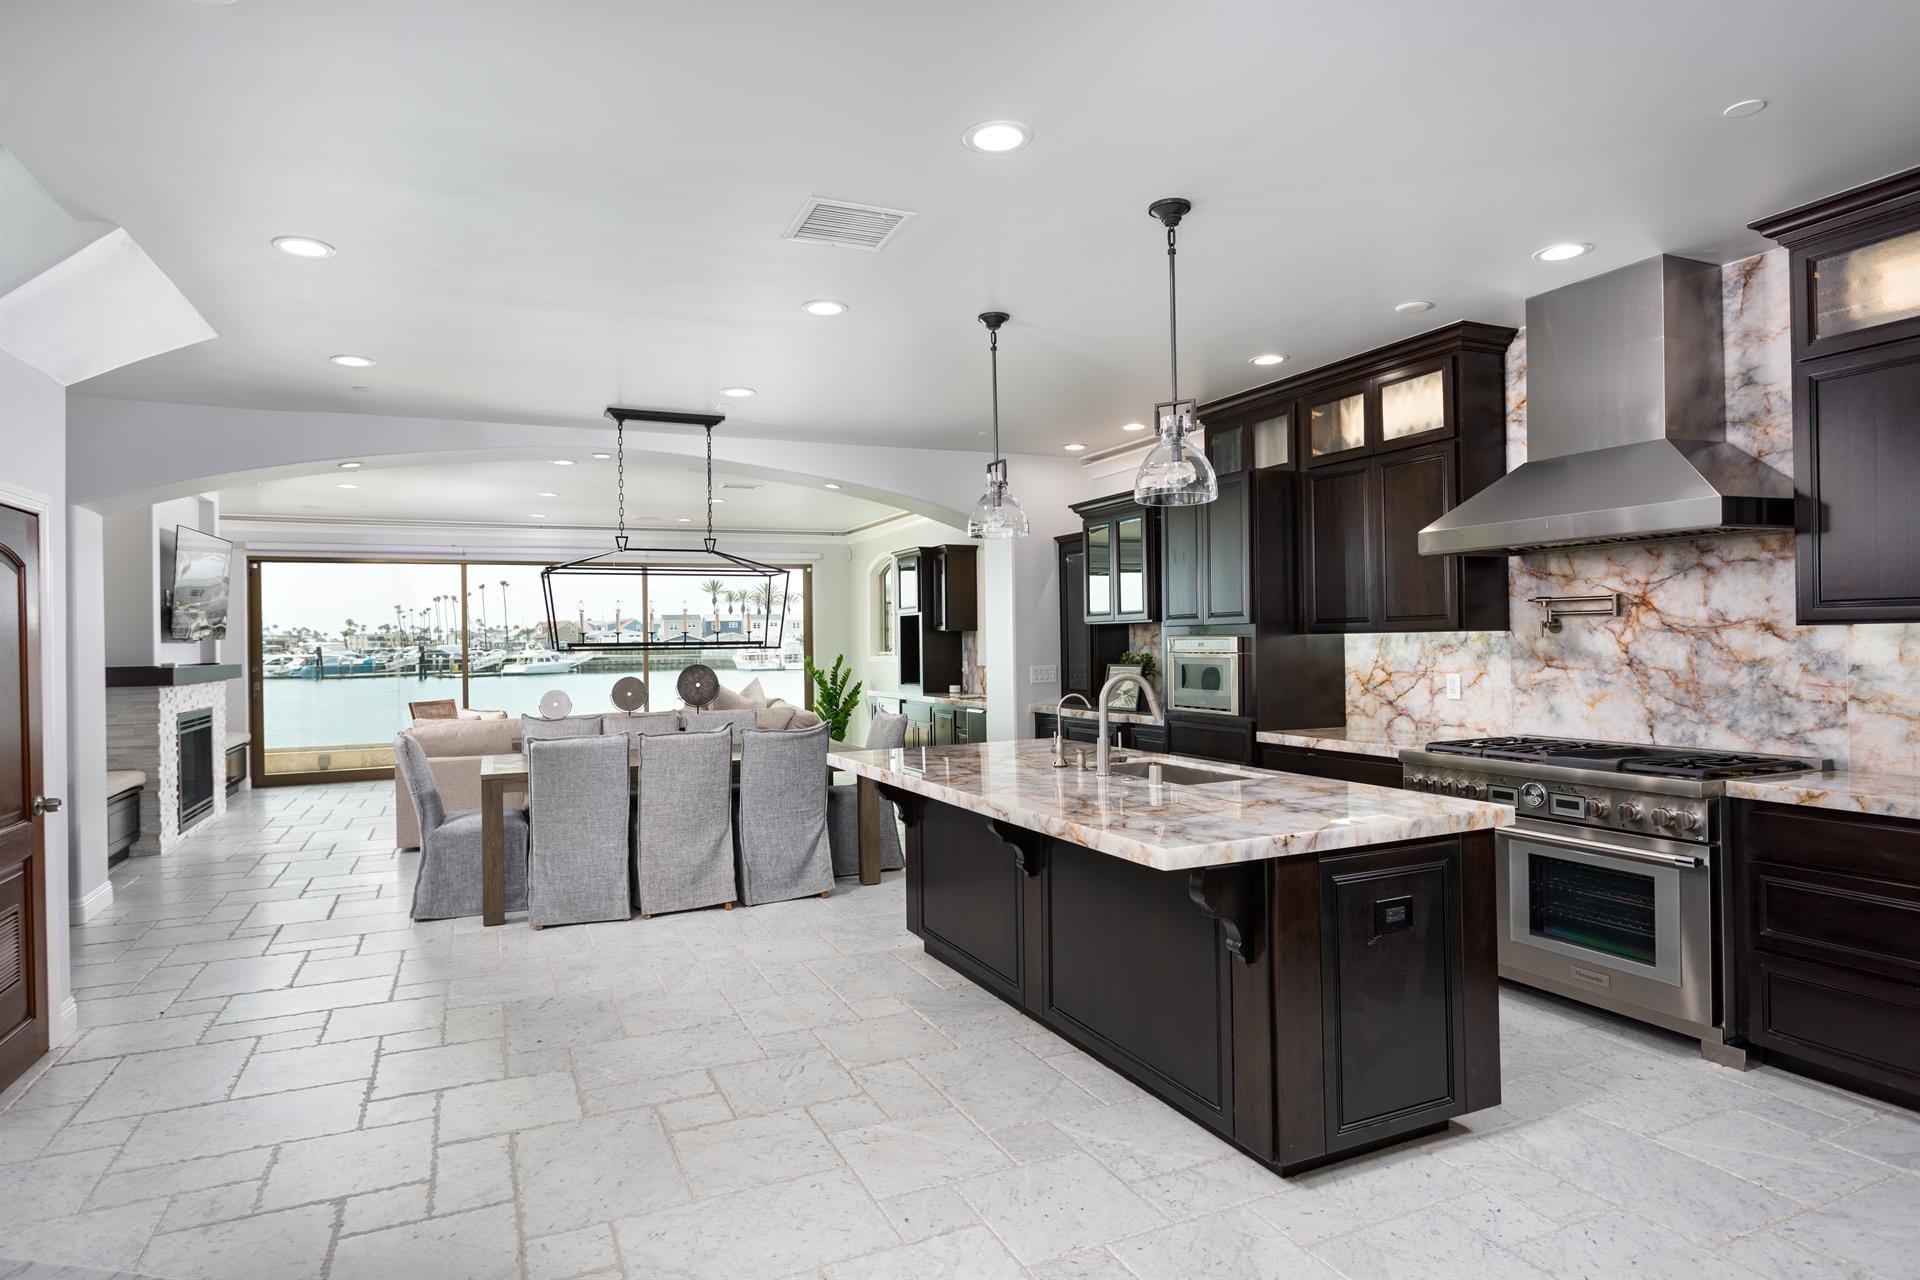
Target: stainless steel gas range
x: 1610, y: 878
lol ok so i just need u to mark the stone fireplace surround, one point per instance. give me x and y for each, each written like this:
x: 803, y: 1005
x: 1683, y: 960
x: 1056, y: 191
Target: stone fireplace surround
x: 143, y: 732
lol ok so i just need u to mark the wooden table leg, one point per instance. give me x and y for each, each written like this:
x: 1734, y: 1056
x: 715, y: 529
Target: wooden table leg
x: 493, y: 852
x: 870, y: 814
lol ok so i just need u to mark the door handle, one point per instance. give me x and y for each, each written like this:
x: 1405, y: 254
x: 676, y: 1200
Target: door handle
x: 45, y: 804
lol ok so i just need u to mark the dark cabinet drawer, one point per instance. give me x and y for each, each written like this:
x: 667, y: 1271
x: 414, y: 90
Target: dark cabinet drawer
x: 1864, y: 1030
x: 1147, y: 737
x: 1343, y: 766
x: 1841, y: 919
x: 1227, y: 738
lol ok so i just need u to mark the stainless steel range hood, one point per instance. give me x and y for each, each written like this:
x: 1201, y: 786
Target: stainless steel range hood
x: 1626, y: 424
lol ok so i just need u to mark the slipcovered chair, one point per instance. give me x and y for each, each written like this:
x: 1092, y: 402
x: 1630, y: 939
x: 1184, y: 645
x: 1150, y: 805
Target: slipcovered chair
x: 782, y: 827
x: 538, y: 729
x: 843, y: 807
x: 449, y: 883
x: 739, y: 722
x: 643, y: 724
x: 683, y: 822
x: 577, y: 816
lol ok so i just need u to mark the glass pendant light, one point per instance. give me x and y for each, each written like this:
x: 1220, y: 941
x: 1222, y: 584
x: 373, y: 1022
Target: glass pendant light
x: 998, y: 514
x: 1175, y: 473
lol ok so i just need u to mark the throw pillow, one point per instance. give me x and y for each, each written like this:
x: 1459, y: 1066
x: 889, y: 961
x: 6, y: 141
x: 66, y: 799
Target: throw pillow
x: 754, y: 694
x: 725, y: 699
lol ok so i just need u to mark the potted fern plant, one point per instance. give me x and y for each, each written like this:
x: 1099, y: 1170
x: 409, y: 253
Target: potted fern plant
x: 833, y: 701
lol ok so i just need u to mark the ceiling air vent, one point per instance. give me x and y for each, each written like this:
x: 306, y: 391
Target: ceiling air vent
x: 851, y: 226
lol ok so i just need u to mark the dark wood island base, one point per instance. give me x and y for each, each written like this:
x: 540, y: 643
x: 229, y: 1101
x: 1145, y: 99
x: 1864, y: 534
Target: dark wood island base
x: 1304, y: 1008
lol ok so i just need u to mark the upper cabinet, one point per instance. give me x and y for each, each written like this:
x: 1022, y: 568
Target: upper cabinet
x: 1122, y: 565
x: 1207, y: 552
x: 1387, y: 442
x: 1855, y: 264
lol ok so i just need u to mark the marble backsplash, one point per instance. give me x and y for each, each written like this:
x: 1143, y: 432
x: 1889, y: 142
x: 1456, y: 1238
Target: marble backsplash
x: 1706, y: 652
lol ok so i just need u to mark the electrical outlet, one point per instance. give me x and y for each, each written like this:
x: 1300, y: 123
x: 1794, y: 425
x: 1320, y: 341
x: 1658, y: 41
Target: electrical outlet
x: 1043, y: 674
x: 1453, y: 686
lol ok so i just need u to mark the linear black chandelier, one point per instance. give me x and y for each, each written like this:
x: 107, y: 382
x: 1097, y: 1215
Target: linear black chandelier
x: 757, y: 584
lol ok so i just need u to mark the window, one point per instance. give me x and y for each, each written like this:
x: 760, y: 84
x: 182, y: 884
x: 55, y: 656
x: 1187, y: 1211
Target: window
x: 885, y: 616
x: 344, y: 646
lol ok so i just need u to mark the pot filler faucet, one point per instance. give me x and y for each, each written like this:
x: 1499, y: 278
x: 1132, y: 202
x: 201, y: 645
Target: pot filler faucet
x: 1101, y: 752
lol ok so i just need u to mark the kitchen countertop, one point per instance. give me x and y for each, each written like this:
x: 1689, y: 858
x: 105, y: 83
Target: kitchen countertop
x: 1339, y: 739
x: 957, y: 699
x: 1082, y: 713
x: 1259, y: 815
x: 1887, y: 795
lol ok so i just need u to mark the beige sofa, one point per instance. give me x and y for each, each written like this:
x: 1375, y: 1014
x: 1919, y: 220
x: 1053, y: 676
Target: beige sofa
x: 454, y: 749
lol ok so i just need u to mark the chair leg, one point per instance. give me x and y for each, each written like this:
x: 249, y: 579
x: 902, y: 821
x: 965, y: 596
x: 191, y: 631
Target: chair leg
x: 726, y: 906
x: 825, y: 892
x: 539, y: 926
x: 646, y: 915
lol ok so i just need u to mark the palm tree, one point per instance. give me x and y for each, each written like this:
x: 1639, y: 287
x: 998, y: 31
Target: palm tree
x: 713, y: 587
x: 505, y: 632
x: 483, y: 615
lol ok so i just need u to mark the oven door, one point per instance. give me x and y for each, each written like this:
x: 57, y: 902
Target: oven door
x: 1625, y: 918
x: 1205, y: 682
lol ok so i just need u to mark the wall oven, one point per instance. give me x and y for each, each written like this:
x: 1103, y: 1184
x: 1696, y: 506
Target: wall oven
x: 1204, y: 673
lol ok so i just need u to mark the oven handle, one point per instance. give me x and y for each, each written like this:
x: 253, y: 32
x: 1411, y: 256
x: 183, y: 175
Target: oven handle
x: 1683, y: 860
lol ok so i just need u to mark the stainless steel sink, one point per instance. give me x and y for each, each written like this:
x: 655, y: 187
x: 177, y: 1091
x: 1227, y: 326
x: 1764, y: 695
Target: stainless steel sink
x: 1181, y: 775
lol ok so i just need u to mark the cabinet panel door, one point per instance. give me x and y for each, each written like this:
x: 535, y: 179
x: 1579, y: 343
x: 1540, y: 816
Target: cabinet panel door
x: 909, y: 578
x: 971, y: 893
x: 1181, y: 566
x: 1227, y: 525
x: 1100, y: 572
x: 1864, y: 1027
x: 1860, y: 462
x: 1339, y: 586
x: 1415, y: 590
x: 1130, y: 569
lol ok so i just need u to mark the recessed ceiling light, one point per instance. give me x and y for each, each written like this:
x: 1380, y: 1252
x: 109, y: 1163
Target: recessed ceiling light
x: 352, y: 362
x: 305, y: 247
x: 1267, y: 359
x: 736, y: 393
x: 996, y: 136
x: 1563, y: 251
x: 684, y: 519
x: 536, y: 515
x: 824, y: 307
x: 363, y: 388
x: 352, y: 466
x: 1134, y: 426
x: 563, y: 462
x: 344, y: 485
x: 832, y: 485
x: 603, y: 456
x: 1075, y: 447
x: 1408, y: 308
x: 716, y: 501
x: 544, y: 494
x: 1745, y: 107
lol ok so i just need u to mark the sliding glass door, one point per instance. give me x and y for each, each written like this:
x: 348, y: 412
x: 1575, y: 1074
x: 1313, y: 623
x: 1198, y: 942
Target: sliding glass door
x: 343, y: 648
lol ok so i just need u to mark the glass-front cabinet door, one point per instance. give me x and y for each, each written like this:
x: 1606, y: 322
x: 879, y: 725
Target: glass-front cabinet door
x: 1413, y: 406
x: 909, y: 574
x: 1337, y: 426
x: 1865, y: 287
x: 1100, y: 572
x: 1130, y: 553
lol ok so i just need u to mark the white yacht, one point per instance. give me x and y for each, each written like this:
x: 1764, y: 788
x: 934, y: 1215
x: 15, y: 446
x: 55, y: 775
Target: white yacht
x: 544, y: 662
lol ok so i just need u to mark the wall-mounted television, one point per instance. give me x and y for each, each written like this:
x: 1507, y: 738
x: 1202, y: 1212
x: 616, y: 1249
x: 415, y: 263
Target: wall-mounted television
x: 202, y: 573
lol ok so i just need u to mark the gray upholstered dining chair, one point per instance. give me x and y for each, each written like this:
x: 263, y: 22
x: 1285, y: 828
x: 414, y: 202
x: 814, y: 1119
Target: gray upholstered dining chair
x: 449, y: 882
x: 539, y: 729
x: 683, y: 823
x: 738, y: 722
x: 782, y: 824
x: 642, y: 724
x: 577, y: 829
x: 843, y: 807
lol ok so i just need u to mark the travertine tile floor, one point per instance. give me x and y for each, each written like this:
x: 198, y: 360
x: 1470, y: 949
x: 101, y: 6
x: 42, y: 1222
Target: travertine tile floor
x: 282, y: 1076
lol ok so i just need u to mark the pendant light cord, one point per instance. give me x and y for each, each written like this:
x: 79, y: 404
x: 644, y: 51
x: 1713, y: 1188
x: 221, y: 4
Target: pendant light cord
x: 993, y: 354
x: 709, y: 488
x: 1173, y: 317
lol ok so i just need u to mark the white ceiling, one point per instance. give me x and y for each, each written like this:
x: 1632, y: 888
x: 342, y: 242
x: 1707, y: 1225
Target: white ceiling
x: 457, y: 490
x: 543, y: 208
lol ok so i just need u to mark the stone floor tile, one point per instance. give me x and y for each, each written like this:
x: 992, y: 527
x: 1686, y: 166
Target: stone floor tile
x: 468, y: 1175
x: 1001, y: 1085
x: 737, y: 1154
x: 500, y: 1106
x: 166, y: 1080
x: 1055, y: 1207
x: 135, y: 1037
x: 374, y: 1210
x: 232, y: 977
x: 272, y: 1244
x: 572, y: 1253
x: 779, y: 1084
x: 49, y: 1187
x: 306, y: 1067
x: 665, y: 1053
x: 109, y: 1238
x: 481, y: 1245
x: 440, y: 1068
x: 215, y: 1204
x: 221, y: 1127
x: 1876, y: 1229
x: 693, y: 1113
x: 1144, y: 1139
x: 759, y: 1234
x: 347, y: 968
x: 860, y: 1044
x: 1095, y: 1264
x: 184, y: 1177
x: 586, y: 1171
x: 934, y: 1211
x: 1617, y: 1243
x: 1422, y: 1244
x: 1892, y: 1138
x: 1793, y: 1164
x: 344, y: 1164
x: 972, y: 1253
x: 328, y: 995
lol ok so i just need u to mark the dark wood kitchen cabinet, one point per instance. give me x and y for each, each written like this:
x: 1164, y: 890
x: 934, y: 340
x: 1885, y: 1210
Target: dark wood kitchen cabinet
x: 1342, y: 766
x: 938, y: 599
x: 1121, y: 540
x: 1387, y: 442
x: 1076, y: 646
x: 1826, y: 943
x: 1856, y: 400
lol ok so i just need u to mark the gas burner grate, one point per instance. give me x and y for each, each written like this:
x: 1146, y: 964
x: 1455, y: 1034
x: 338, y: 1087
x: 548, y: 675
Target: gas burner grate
x: 1711, y: 765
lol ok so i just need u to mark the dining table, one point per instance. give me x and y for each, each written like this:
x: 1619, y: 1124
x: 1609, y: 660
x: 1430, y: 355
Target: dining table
x: 507, y: 771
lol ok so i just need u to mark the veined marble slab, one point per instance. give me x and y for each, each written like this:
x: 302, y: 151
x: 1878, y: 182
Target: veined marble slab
x: 1081, y: 713
x: 957, y: 699
x: 1169, y: 828
x: 1886, y: 795
x: 1353, y: 742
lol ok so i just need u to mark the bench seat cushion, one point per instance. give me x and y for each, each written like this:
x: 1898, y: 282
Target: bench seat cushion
x: 119, y: 780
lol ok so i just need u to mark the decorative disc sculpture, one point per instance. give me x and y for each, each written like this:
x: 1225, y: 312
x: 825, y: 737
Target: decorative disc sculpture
x: 555, y: 704
x: 629, y: 693
x: 698, y: 685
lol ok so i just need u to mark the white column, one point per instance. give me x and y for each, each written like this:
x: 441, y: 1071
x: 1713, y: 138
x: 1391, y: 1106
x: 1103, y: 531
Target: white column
x: 89, y: 891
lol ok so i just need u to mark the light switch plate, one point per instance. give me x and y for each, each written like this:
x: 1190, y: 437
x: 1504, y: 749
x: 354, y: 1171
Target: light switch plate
x: 1043, y: 674
x: 1453, y: 685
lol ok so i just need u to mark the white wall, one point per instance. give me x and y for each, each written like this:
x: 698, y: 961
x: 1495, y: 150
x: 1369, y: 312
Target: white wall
x: 33, y: 471
x: 91, y: 891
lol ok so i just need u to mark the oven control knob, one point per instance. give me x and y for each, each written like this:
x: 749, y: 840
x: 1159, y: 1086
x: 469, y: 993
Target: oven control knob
x: 1630, y: 811
x: 1533, y: 795
x: 1598, y: 807
x: 1689, y: 820
x: 1663, y: 817
x: 1478, y: 790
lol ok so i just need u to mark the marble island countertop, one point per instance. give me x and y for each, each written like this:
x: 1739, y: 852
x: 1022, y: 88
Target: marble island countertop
x: 958, y: 699
x: 1358, y: 742
x: 1886, y: 795
x: 1078, y: 712
x: 1257, y: 815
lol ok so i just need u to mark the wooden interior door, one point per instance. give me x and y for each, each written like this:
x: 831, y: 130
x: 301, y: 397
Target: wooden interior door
x: 23, y: 926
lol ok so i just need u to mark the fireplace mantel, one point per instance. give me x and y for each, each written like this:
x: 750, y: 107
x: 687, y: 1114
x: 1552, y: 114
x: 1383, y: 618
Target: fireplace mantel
x: 168, y: 677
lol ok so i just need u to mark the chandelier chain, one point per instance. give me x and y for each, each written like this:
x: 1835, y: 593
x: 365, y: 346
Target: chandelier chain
x: 620, y: 479
x: 709, y: 488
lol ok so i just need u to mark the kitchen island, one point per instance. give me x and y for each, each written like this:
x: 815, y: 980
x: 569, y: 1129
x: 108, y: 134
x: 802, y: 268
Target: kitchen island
x: 1302, y: 965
